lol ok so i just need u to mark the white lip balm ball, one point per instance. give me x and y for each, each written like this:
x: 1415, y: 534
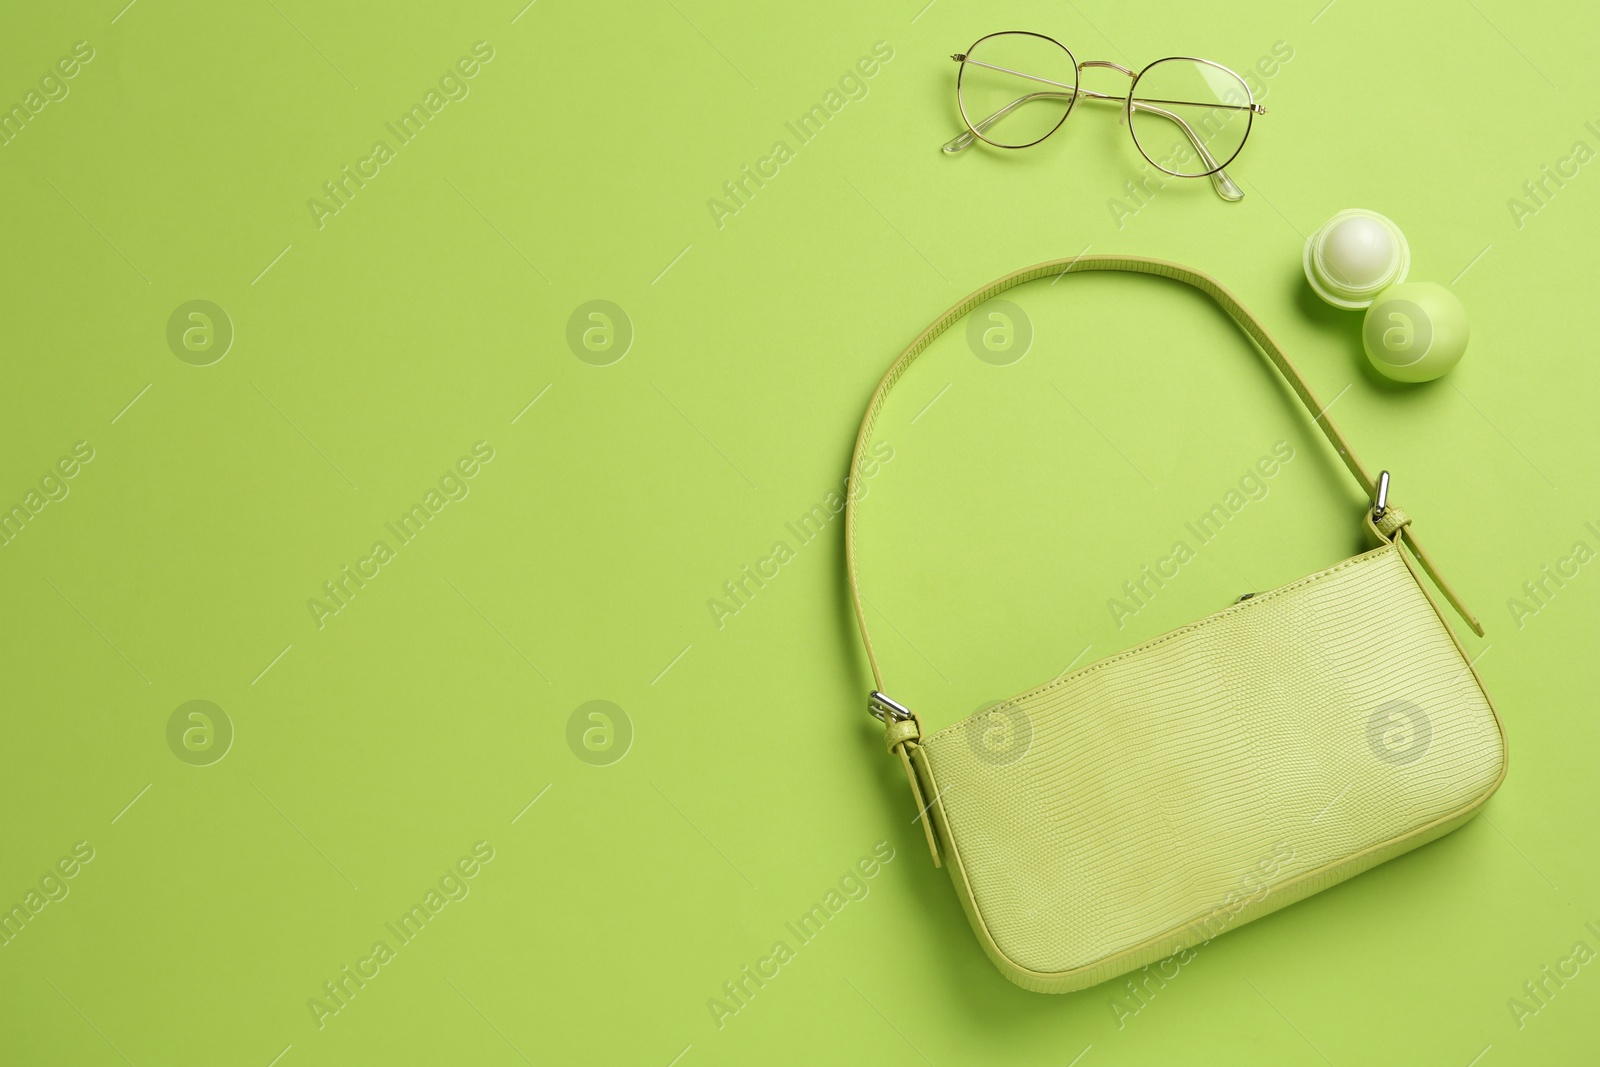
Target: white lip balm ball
x: 1357, y: 252
x: 1354, y: 256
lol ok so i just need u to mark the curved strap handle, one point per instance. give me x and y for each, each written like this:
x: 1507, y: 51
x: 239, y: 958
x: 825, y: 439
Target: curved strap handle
x: 1137, y: 265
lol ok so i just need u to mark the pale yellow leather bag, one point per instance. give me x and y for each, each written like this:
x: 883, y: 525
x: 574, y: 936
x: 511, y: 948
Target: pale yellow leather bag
x: 1217, y: 773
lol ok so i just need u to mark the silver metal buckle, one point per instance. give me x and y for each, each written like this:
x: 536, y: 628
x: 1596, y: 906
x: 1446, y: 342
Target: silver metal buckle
x: 1380, y: 503
x: 885, y: 708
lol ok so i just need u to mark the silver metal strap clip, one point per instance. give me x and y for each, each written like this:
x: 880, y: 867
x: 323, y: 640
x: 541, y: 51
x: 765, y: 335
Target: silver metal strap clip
x: 1380, y: 503
x: 884, y: 708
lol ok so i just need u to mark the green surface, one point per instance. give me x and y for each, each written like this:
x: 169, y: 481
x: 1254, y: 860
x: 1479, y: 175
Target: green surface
x: 381, y: 751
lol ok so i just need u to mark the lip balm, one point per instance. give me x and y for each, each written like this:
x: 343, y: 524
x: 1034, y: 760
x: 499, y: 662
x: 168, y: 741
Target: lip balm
x: 1415, y: 331
x: 1355, y: 256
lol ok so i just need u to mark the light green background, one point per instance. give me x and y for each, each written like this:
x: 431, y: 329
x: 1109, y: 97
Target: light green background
x: 373, y: 352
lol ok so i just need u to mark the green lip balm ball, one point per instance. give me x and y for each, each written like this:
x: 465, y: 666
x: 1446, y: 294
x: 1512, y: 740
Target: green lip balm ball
x: 1415, y: 331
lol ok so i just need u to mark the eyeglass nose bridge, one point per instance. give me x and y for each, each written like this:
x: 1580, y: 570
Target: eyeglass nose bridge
x: 1125, y: 116
x: 1105, y: 63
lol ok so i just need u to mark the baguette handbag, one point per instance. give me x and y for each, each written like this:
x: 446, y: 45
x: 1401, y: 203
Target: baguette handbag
x: 1216, y: 773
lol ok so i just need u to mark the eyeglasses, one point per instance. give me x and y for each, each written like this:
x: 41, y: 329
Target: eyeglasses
x: 1189, y: 117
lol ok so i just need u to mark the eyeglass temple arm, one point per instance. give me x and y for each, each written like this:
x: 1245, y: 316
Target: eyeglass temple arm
x: 1220, y: 181
x: 965, y: 138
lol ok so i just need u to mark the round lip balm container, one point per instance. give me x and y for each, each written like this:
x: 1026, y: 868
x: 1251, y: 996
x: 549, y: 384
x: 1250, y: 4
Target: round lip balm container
x: 1355, y: 256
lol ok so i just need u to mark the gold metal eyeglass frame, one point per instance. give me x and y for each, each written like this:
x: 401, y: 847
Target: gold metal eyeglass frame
x: 1220, y: 181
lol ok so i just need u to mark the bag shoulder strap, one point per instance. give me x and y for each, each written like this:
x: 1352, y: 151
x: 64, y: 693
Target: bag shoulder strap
x: 1393, y: 521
